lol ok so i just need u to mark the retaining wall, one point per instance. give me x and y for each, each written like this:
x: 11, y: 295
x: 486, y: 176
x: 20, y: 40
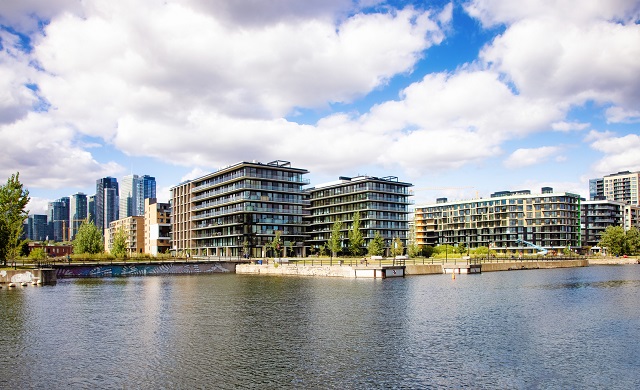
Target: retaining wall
x: 342, y: 271
x: 423, y: 269
x: 491, y: 267
x: 45, y: 276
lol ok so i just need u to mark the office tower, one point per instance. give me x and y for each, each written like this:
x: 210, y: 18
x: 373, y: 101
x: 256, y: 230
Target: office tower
x: 77, y: 213
x: 91, y: 208
x: 37, y: 227
x: 134, y: 190
x: 149, y: 188
x: 106, y: 202
x: 58, y: 219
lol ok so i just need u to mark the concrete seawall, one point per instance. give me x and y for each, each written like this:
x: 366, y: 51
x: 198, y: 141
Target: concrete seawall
x: 516, y: 265
x: 424, y: 269
x: 342, y: 271
x: 41, y: 276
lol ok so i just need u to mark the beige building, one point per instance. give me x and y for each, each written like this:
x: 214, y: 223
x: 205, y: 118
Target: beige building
x: 157, y: 227
x: 134, y: 229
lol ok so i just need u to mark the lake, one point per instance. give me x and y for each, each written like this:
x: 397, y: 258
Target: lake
x: 540, y: 329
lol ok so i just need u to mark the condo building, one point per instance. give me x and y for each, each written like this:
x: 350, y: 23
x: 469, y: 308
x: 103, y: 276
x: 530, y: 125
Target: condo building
x: 507, y: 221
x: 621, y: 187
x: 157, y: 227
x: 134, y: 190
x: 37, y: 227
x: 134, y: 231
x: 596, y: 216
x: 239, y: 210
x: 382, y: 204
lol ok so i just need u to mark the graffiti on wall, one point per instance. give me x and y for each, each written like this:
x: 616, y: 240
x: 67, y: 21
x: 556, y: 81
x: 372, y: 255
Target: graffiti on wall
x: 102, y: 271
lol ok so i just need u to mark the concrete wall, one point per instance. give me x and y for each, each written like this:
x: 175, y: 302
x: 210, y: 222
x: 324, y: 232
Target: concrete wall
x: 45, y: 276
x: 491, y: 267
x: 296, y: 270
x: 423, y: 269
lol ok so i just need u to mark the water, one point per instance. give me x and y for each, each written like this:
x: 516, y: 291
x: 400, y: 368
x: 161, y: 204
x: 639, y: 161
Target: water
x: 543, y: 329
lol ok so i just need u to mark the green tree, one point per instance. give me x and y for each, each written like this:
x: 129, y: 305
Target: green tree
x: 88, y: 239
x: 276, y: 244
x: 119, y: 248
x: 397, y: 248
x: 633, y: 240
x: 38, y: 254
x: 13, y: 202
x: 356, y: 239
x: 613, y: 239
x: 376, y: 246
x: 335, y: 240
x: 427, y: 251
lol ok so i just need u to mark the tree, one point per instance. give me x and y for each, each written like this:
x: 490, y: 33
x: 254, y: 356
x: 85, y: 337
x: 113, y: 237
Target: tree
x: 119, y: 248
x: 397, y: 248
x: 88, y: 239
x: 275, y: 244
x: 13, y: 202
x: 427, y: 251
x: 356, y: 239
x: 335, y: 240
x: 376, y: 246
x: 613, y: 239
x: 633, y: 240
x: 38, y: 254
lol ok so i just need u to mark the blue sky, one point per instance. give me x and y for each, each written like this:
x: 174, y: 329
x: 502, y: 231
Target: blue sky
x: 461, y: 98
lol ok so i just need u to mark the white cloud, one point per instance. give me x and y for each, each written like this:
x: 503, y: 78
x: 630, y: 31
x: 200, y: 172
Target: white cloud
x: 620, y: 153
x: 38, y: 205
x: 526, y: 157
x: 569, y: 126
x: 621, y: 115
x: 45, y: 156
x: 570, y: 61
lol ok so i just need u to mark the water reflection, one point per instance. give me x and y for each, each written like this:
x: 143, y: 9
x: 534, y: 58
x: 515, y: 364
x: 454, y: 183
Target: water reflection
x: 526, y: 329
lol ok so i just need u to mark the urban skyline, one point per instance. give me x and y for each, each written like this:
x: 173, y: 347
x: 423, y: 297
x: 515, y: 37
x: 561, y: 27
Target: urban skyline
x: 460, y: 98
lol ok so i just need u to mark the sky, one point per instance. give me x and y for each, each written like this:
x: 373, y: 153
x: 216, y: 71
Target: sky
x: 460, y: 98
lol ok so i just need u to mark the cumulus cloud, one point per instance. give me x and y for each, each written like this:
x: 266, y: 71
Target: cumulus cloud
x: 620, y: 153
x: 42, y: 152
x: 526, y: 157
x: 569, y: 126
x: 621, y: 115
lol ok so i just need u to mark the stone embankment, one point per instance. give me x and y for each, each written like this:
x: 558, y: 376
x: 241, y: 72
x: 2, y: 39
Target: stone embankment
x: 613, y: 260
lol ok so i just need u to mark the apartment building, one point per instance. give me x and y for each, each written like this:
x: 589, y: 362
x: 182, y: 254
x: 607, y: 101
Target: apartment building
x: 383, y: 204
x: 134, y: 229
x: 621, y: 187
x: 157, y: 227
x: 596, y: 216
x: 238, y: 210
x: 549, y: 220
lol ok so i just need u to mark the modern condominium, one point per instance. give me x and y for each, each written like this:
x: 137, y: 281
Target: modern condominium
x: 548, y: 220
x: 382, y: 204
x: 157, y: 227
x: 239, y: 210
x: 621, y: 187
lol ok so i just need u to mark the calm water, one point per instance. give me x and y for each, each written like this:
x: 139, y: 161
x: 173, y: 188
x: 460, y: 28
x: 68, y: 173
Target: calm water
x: 542, y: 329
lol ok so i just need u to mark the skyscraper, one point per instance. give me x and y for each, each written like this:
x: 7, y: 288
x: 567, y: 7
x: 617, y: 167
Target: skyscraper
x: 58, y: 219
x: 106, y: 202
x: 77, y: 213
x: 37, y: 227
x: 134, y: 190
